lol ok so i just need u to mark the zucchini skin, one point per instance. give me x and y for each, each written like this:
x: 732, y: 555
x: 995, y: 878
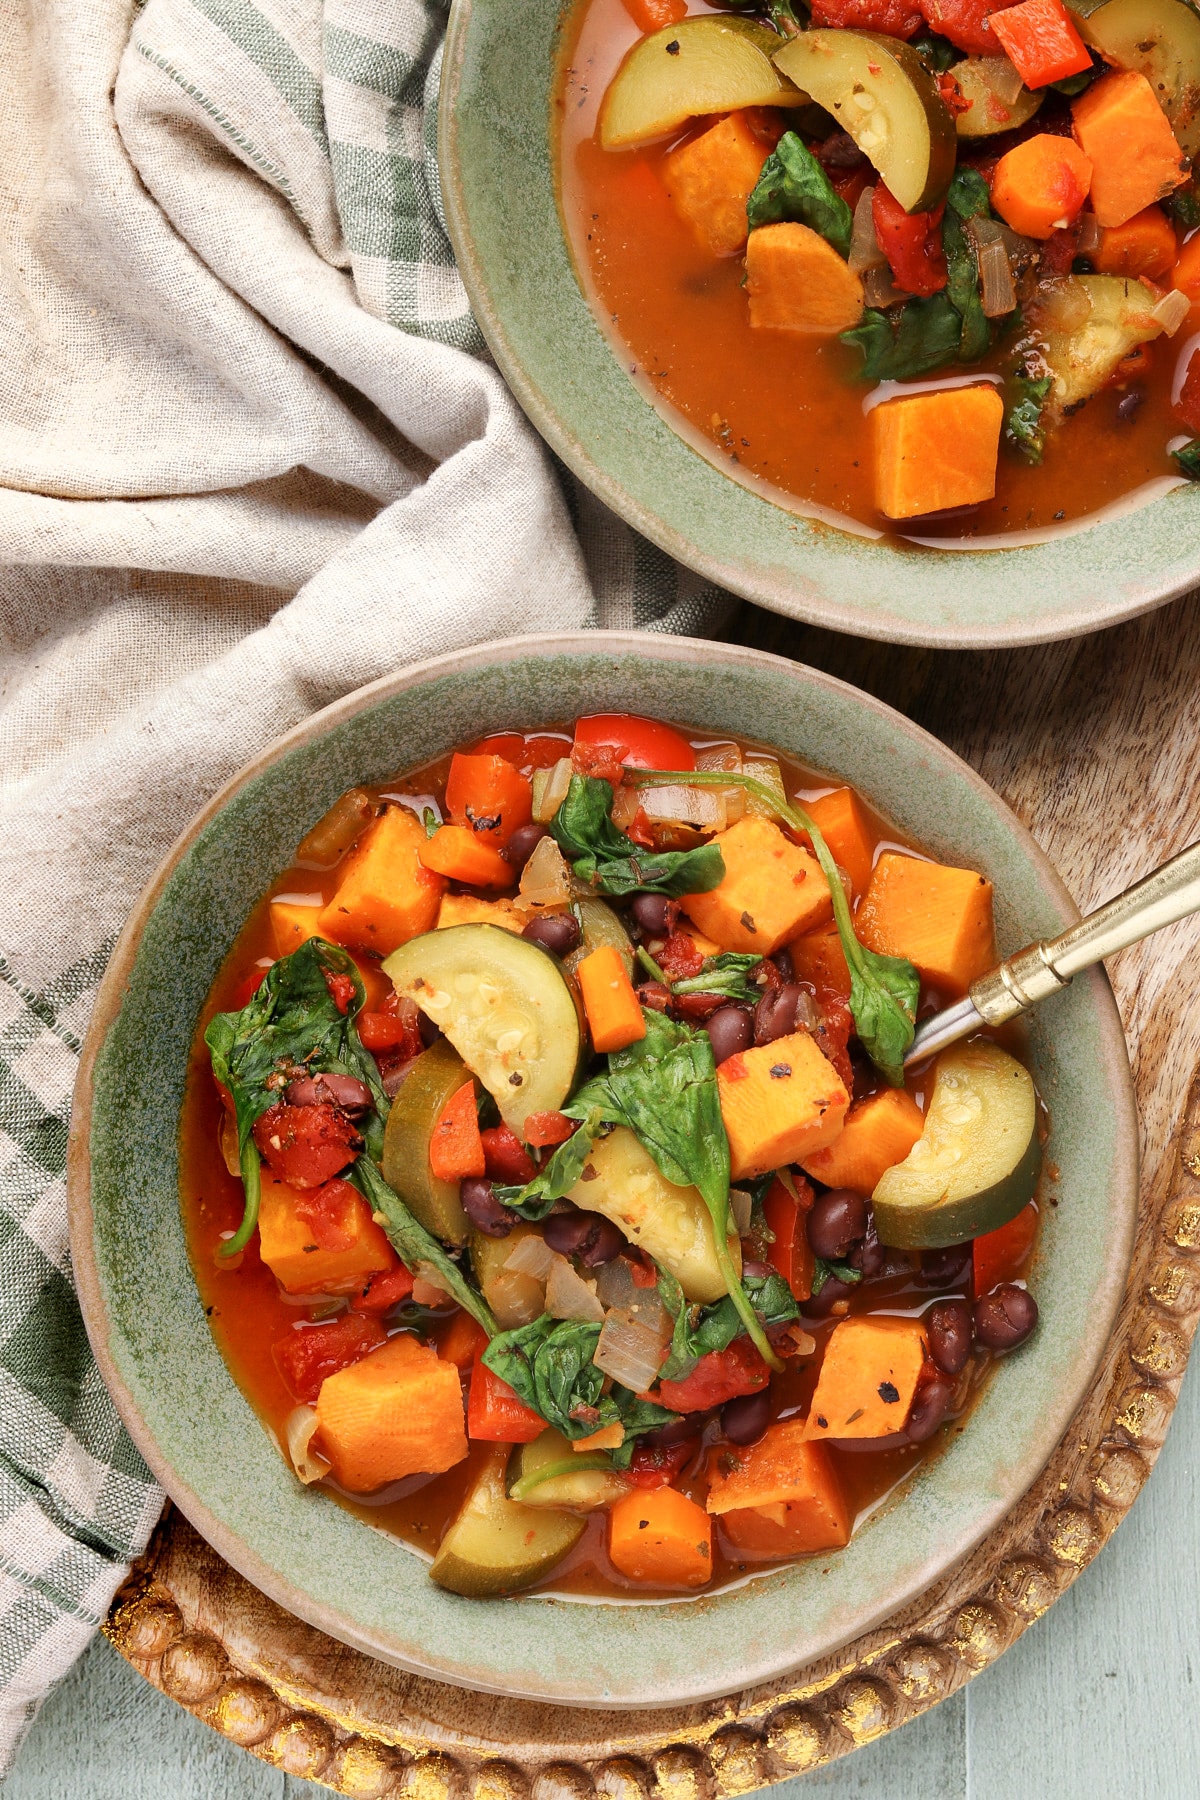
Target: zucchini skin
x: 958, y: 1221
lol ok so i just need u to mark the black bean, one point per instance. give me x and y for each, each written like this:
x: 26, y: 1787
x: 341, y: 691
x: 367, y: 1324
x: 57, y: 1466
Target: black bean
x: 783, y: 962
x: 655, y: 914
x: 484, y: 1210
x: 840, y: 151
x: 430, y: 1033
x: 832, y: 1290
x: 928, y: 1410
x: 606, y: 1244
x: 522, y: 844
x: 949, y: 1268
x: 1128, y: 406
x: 775, y: 1014
x: 745, y: 1419
x: 836, y: 1222
x: 756, y: 1271
x: 345, y: 1091
x: 1005, y: 1317
x: 869, y: 1255
x: 395, y: 1077
x: 730, y: 1032
x: 593, y: 1239
x: 678, y: 1432
x: 557, y: 932
x: 948, y: 1328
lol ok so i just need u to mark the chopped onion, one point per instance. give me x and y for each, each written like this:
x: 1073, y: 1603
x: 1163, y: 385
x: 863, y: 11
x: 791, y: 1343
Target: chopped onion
x: 568, y: 1295
x: 1088, y: 240
x: 629, y: 1351
x: 545, y: 879
x: 996, y: 285
x: 864, y: 245
x: 299, y: 1429
x: 230, y: 1154
x: 699, y: 808
x: 731, y: 800
x: 720, y: 756
x: 766, y: 770
x: 740, y: 1205
x: 625, y: 803
x: 879, y: 289
x: 614, y: 1283
x: 550, y: 789
x: 428, y: 1288
x: 1171, y: 311
x: 332, y: 835
x: 1002, y: 78
x: 531, y: 1255
x: 514, y: 1299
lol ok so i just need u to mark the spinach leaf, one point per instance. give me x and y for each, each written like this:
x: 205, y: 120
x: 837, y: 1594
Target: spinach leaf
x: 557, y: 1177
x: 701, y: 1330
x: 883, y: 989
x: 842, y: 1271
x: 967, y: 199
x: 602, y: 855
x: 1184, y: 205
x: 292, y: 1022
x: 1188, y: 458
x: 417, y: 1248
x: 1070, y: 85
x: 664, y: 1089
x: 728, y: 974
x: 794, y: 186
x: 549, y: 1364
x: 1023, y: 427
x: 925, y: 337
x: 780, y: 13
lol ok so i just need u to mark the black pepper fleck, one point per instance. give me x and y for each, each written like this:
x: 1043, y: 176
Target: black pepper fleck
x: 889, y: 1393
x: 673, y: 47
x: 780, y: 1070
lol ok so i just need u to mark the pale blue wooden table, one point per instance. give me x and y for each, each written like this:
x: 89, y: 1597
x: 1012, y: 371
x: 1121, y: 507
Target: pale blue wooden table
x: 1096, y: 1702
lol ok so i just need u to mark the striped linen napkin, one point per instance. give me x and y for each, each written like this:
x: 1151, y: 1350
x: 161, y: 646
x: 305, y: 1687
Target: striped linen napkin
x: 251, y: 456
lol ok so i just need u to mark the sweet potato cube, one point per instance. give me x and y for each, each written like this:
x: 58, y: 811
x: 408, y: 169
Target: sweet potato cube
x: 397, y: 1412
x: 294, y: 919
x: 779, y: 1102
x: 868, y: 1378
x: 878, y: 1132
x: 710, y: 180
x: 818, y: 957
x: 772, y: 890
x: 934, y: 451
x: 781, y: 1497
x: 939, y: 917
x: 659, y: 1536
x: 842, y: 821
x: 796, y: 281
x: 1123, y: 131
x: 385, y: 896
x: 287, y: 1245
x: 465, y: 909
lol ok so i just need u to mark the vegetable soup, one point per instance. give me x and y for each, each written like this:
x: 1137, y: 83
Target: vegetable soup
x: 922, y: 266
x: 554, y: 1184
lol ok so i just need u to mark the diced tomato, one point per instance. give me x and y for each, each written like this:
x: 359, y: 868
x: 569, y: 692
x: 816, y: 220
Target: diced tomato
x: 951, y: 93
x: 965, y: 23
x: 306, y: 1145
x: 1000, y: 1255
x: 832, y: 1036
x: 721, y: 1375
x: 643, y: 1270
x: 382, y: 1031
x: 328, y: 1211
x: 247, y: 989
x: 912, y: 243
x: 657, y: 1465
x: 542, y: 1129
x: 640, y: 743
x: 383, y: 1290
x: 641, y: 831
x: 896, y: 18
x: 461, y: 1341
x: 495, y: 1415
x: 505, y: 1156
x: 679, y: 957
x: 790, y: 1255
x: 848, y: 184
x: 341, y: 987
x: 489, y: 795
x: 1187, y: 407
x: 540, y: 750
x: 310, y: 1353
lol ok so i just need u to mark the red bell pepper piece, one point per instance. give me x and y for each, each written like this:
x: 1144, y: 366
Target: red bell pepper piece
x: 790, y: 1255
x: 505, y: 1157
x: 495, y: 1414
x: 912, y: 243
x: 721, y: 1375
x: 542, y: 1129
x: 1041, y: 42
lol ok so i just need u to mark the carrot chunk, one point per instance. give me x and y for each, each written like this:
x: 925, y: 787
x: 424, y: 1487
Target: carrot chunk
x: 294, y: 920
x: 652, y: 15
x: 488, y: 796
x: 460, y: 1343
x: 796, y: 281
x: 386, y: 895
x: 455, y: 852
x: 934, y: 451
x: 658, y: 1535
x: 1042, y: 43
x: 939, y: 917
x: 868, y: 1378
x: 398, y: 1412
x: 771, y: 891
x: 1143, y: 245
x: 780, y: 1102
x: 782, y: 1496
x: 289, y: 1242
x: 843, y: 824
x: 614, y: 1012
x: 710, y: 180
x: 1040, y: 185
x: 455, y: 1146
x: 878, y: 1132
x: 1124, y: 133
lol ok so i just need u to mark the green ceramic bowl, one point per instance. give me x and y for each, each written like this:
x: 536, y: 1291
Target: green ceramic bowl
x: 499, y: 186
x: 193, y: 1424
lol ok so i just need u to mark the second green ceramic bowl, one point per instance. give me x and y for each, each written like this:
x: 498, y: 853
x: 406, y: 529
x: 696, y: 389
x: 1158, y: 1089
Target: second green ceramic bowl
x: 498, y: 182
x: 199, y: 1433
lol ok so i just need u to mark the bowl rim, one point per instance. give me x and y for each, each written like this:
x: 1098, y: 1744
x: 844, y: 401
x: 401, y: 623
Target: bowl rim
x: 225, y: 1537
x: 775, y: 587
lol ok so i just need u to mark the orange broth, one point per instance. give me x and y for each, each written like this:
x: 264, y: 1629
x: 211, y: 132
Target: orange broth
x: 785, y: 413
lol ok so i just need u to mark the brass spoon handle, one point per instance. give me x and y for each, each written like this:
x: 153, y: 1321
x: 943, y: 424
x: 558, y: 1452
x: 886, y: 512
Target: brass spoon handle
x: 1162, y: 898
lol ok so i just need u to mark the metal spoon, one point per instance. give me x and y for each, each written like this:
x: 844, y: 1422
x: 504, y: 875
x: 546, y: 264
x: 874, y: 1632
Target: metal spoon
x: 1169, y: 894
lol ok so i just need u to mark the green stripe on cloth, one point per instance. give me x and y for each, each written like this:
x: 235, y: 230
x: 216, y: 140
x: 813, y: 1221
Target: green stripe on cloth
x: 254, y: 34
x: 380, y: 67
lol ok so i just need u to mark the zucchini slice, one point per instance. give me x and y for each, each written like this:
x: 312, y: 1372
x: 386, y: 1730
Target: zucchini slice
x: 1086, y: 325
x: 437, y: 1073
x: 504, y: 1005
x: 710, y: 65
x: 549, y: 1472
x: 999, y: 99
x: 1159, y: 39
x: 879, y: 90
x: 977, y: 1161
x: 497, y: 1546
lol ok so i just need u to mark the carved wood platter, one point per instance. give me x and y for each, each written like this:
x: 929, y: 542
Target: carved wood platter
x: 1093, y: 744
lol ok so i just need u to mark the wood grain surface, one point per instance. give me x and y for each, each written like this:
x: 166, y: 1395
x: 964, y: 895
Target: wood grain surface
x: 1094, y: 745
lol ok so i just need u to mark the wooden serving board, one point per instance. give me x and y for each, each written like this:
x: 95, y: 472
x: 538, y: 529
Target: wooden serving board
x: 1094, y: 745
